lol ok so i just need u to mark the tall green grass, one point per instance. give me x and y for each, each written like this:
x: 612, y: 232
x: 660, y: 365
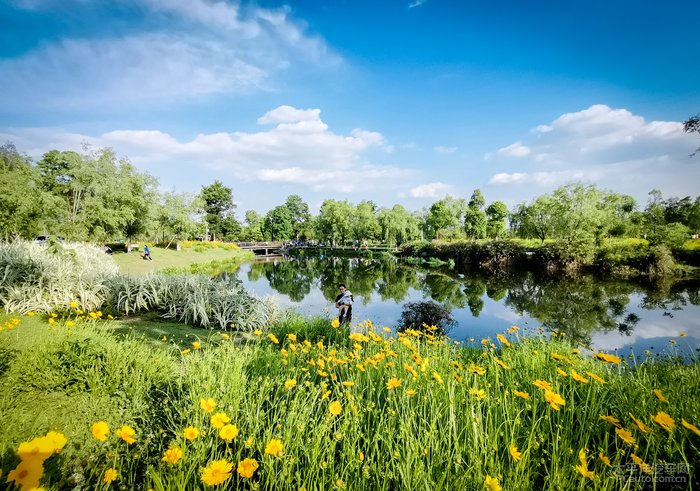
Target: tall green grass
x: 40, y: 279
x: 442, y: 437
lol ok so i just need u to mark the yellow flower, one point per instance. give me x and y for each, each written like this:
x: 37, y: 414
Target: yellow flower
x: 477, y: 394
x: 542, y: 384
x: 578, y: 378
x: 596, y: 377
x: 258, y: 332
x: 348, y: 383
x: 172, y: 455
x: 646, y: 468
x: 393, y: 383
x: 682, y: 335
x: 517, y: 456
x: 185, y: 351
x: 501, y: 364
x: 100, y: 430
x: 37, y: 449
x: 217, y: 472
x: 608, y: 358
x: 335, y: 323
x: 273, y: 338
x: 562, y: 372
x: 503, y: 340
x: 660, y: 396
x: 196, y: 344
x: 292, y: 337
x: 27, y: 474
x: 612, y: 420
x: 274, y: 447
x: 225, y: 336
x: 411, y: 392
x: 626, y: 436
x: 522, y: 395
x: 604, y: 459
x: 126, y: 433
x: 335, y: 408
x: 290, y: 384
x: 164, y: 338
x: 582, y: 468
x: 110, y: 476
x: 219, y: 420
x: 437, y: 378
x: 691, y: 427
x: 228, y: 432
x: 207, y: 404
x: 641, y: 426
x: 492, y: 484
x: 247, y: 467
x: 477, y: 369
x: 70, y: 323
x: 554, y: 399
x: 73, y: 305
x: 191, y: 433
x: 57, y: 440
x: 665, y: 421
x: 249, y: 442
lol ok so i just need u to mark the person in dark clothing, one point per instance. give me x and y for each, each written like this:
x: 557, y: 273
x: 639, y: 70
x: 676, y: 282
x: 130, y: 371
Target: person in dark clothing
x: 147, y: 254
x: 345, y: 309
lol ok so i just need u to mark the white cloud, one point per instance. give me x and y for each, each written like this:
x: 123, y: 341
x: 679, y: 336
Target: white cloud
x: 416, y: 3
x: 199, y: 48
x: 431, y: 190
x: 300, y: 149
x: 517, y: 149
x: 442, y: 149
x: 612, y: 148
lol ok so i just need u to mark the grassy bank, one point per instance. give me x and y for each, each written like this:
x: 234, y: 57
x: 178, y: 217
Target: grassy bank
x: 132, y: 263
x: 363, y: 411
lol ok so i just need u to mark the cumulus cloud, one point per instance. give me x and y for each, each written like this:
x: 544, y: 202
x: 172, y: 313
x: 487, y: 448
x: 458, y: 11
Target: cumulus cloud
x: 431, y: 190
x: 298, y: 149
x: 609, y: 147
x: 517, y: 149
x: 442, y: 149
x: 196, y: 48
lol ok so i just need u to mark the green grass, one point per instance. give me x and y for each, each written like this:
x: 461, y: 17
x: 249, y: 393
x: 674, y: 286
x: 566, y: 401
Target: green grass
x: 443, y: 437
x: 132, y: 263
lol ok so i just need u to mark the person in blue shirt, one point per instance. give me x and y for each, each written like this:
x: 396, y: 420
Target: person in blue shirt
x: 147, y: 253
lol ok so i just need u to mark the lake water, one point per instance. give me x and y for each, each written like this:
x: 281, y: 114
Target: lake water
x: 604, y: 314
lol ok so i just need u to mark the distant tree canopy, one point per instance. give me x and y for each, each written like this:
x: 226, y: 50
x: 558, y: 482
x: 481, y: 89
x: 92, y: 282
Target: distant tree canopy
x: 693, y: 126
x: 94, y: 195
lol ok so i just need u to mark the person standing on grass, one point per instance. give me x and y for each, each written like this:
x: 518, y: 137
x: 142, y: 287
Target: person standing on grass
x: 344, y: 302
x: 147, y: 253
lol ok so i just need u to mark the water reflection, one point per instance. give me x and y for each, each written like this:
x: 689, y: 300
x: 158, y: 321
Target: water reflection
x: 578, y: 307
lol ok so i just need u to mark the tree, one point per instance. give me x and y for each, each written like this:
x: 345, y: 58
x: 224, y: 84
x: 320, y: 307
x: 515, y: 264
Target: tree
x: 175, y: 215
x: 253, y: 229
x: 398, y: 225
x: 475, y: 218
x: 496, y: 215
x: 334, y: 219
x: 299, y: 213
x: 22, y: 200
x: 445, y: 215
x: 218, y: 203
x: 364, y: 222
x: 278, y: 224
x: 693, y: 126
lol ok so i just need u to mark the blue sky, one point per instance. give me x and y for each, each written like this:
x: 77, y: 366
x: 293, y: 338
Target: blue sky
x: 394, y: 101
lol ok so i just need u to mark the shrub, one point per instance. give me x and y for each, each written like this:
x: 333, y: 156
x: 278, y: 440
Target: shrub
x: 418, y: 315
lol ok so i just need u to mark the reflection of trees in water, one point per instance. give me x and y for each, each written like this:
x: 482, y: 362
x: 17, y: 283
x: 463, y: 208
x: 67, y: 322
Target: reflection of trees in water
x: 576, y: 306
x: 667, y: 294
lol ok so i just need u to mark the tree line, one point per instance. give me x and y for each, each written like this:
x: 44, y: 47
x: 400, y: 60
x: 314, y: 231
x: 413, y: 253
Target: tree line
x: 96, y: 196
